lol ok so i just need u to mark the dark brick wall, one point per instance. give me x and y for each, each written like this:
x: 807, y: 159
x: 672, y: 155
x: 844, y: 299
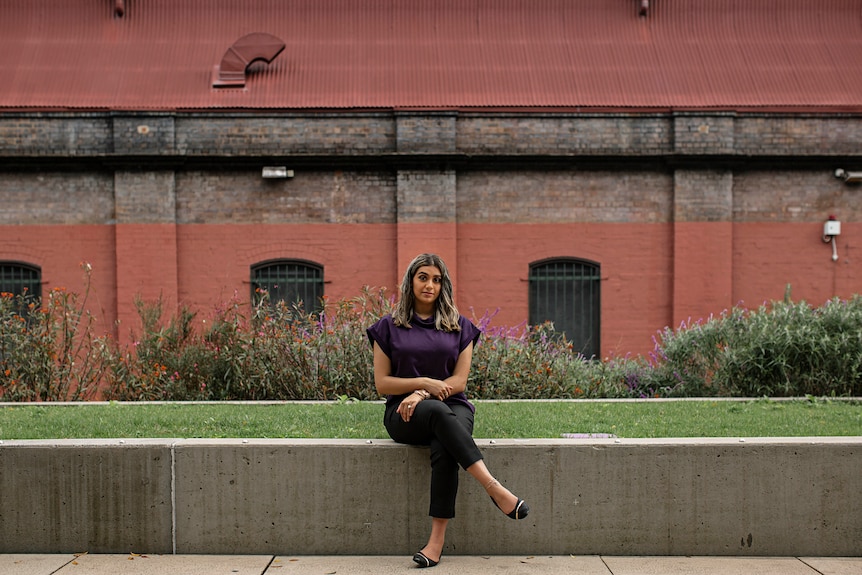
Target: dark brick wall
x: 426, y: 134
x: 700, y: 134
x: 54, y: 135
x: 793, y: 196
x: 56, y: 198
x: 216, y: 197
x: 143, y: 135
x: 382, y: 134
x: 145, y: 197
x: 703, y: 196
x: 783, y: 135
x: 213, y: 136
x: 426, y: 196
x: 550, y: 134
x: 564, y: 196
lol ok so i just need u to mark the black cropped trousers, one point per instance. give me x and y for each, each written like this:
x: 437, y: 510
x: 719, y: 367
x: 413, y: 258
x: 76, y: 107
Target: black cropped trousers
x: 448, y: 430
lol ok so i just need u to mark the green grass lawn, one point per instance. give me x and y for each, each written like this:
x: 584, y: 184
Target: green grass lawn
x: 362, y: 420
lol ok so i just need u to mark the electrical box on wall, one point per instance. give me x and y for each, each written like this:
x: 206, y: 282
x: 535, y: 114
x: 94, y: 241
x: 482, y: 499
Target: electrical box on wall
x: 832, y: 228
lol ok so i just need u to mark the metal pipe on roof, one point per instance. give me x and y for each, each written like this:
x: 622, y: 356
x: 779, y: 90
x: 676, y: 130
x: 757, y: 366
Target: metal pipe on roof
x: 249, y: 48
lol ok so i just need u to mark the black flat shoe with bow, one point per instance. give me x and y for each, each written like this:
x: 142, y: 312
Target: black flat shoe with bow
x: 422, y: 561
x: 519, y: 512
x: 521, y: 508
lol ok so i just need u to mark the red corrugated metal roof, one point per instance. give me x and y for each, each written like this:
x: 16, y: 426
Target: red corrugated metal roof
x: 373, y: 54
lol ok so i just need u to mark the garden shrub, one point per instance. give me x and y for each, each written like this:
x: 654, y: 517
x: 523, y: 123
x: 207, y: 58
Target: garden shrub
x: 277, y: 351
x: 49, y: 351
x: 781, y: 349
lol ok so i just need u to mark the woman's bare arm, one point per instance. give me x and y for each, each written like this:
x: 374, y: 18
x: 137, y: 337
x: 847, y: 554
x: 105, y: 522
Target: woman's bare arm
x: 387, y: 384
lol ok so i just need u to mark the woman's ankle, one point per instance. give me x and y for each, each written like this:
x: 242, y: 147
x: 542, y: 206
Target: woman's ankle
x: 505, y: 499
x: 432, y: 551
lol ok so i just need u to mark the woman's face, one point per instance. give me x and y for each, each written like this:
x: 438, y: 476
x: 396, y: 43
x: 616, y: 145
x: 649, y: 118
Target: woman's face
x: 427, y: 284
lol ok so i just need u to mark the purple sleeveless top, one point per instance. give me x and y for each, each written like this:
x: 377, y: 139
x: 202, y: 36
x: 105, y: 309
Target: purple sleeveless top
x: 423, y: 350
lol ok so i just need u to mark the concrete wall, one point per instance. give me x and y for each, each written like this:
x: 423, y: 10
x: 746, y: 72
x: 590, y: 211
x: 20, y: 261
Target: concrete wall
x: 795, y: 496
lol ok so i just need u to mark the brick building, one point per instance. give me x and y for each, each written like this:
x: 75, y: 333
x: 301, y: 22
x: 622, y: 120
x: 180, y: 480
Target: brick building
x: 615, y: 166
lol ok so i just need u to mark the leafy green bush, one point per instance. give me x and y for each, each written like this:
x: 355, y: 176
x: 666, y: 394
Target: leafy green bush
x: 49, y: 352
x: 535, y: 362
x: 782, y: 349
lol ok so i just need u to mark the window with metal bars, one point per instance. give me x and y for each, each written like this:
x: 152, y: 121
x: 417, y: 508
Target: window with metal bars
x: 290, y: 281
x: 21, y: 279
x: 566, y: 291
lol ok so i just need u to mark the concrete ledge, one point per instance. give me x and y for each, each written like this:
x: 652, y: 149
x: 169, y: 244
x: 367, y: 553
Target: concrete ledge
x: 765, y: 497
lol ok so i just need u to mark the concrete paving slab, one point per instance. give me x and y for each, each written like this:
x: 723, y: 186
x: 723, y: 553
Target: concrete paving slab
x: 449, y: 565
x: 32, y: 563
x: 835, y: 565
x: 707, y: 566
x: 133, y: 564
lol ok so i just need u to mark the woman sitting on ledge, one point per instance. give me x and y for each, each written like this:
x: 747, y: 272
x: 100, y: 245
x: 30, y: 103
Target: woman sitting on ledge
x: 422, y: 356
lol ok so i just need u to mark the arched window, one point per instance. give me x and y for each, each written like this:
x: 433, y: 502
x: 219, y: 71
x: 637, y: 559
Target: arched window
x: 21, y: 279
x: 290, y: 281
x: 566, y: 291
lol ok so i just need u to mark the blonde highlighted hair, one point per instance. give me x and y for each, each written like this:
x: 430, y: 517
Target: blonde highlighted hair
x: 446, y: 315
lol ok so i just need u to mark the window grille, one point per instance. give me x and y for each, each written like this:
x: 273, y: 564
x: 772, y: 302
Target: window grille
x: 21, y: 279
x: 290, y: 281
x: 567, y: 293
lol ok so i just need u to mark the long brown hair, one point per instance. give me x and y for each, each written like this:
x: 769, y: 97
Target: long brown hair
x: 446, y: 315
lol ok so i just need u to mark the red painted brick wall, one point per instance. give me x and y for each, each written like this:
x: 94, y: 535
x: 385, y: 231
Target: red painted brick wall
x: 703, y: 269
x: 768, y: 256
x: 146, y: 268
x: 60, y: 251
x: 491, y: 265
x: 215, y: 259
x: 494, y: 260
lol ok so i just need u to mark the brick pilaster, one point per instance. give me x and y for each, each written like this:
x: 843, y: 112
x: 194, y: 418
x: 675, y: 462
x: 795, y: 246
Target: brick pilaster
x: 146, y: 244
x: 703, y: 243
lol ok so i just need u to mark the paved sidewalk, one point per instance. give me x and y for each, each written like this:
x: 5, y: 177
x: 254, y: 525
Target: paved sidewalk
x: 134, y: 564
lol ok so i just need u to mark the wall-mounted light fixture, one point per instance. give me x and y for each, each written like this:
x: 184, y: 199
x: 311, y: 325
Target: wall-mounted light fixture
x: 276, y: 172
x: 848, y: 177
x: 831, y: 229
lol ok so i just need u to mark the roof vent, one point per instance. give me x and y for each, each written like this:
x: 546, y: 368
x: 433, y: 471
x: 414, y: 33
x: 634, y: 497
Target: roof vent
x: 230, y: 73
x: 119, y: 8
